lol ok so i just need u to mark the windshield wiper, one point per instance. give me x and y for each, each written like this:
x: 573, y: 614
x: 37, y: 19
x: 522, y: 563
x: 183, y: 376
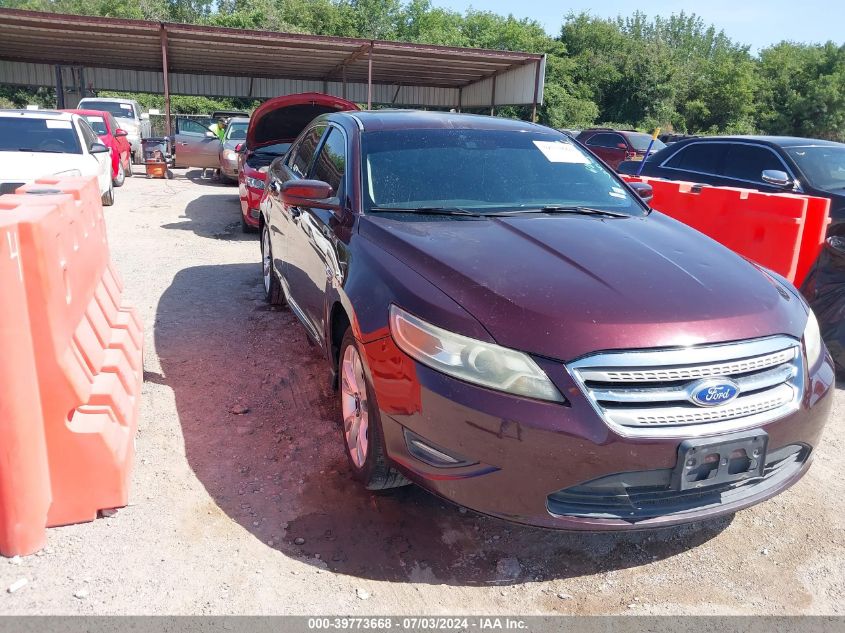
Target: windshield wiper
x: 46, y: 151
x: 556, y: 208
x: 427, y: 210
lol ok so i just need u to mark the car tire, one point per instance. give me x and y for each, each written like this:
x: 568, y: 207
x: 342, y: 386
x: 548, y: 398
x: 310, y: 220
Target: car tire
x: 129, y: 163
x: 118, y: 180
x: 272, y: 287
x: 360, y: 421
x: 246, y: 227
x: 108, y: 196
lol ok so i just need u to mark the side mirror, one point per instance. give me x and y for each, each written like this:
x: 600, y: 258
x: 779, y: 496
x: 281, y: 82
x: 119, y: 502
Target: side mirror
x: 145, y: 116
x: 643, y: 190
x: 210, y: 134
x: 776, y: 177
x: 239, y: 147
x: 301, y: 192
x: 97, y: 148
x: 119, y: 133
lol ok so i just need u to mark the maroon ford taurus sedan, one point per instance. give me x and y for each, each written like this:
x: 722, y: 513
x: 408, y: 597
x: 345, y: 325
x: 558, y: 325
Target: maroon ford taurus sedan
x: 512, y: 328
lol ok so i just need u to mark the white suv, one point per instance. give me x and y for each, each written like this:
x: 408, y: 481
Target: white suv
x: 37, y: 143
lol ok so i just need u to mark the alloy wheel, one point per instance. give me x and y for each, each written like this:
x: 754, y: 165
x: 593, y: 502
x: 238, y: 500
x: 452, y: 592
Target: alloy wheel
x: 356, y: 419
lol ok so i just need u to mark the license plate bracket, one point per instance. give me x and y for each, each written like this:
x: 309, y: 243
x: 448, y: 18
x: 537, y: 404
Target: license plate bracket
x: 706, y: 462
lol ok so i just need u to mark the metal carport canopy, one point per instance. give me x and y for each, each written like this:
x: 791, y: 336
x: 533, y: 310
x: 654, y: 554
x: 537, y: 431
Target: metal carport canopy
x: 461, y: 77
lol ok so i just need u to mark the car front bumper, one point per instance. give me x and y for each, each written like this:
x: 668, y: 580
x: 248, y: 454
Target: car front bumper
x: 524, y: 460
x: 250, y: 201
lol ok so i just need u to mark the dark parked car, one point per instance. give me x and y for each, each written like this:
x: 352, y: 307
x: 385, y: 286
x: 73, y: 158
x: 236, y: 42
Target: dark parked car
x: 510, y: 326
x: 615, y: 146
x: 775, y: 164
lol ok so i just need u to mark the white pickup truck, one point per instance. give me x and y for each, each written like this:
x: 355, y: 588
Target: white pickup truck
x: 129, y: 117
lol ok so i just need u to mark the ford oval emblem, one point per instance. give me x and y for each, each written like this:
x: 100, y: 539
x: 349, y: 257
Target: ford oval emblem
x: 712, y: 392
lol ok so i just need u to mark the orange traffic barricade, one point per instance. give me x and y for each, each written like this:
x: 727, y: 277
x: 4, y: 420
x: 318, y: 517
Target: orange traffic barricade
x: 70, y: 368
x: 783, y: 232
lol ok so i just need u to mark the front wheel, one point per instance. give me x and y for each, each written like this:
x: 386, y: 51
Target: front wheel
x: 361, y: 423
x: 272, y: 287
x: 118, y: 180
x: 108, y: 196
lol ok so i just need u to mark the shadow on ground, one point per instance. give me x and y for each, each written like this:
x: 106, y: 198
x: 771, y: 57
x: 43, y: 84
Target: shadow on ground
x: 216, y: 216
x: 258, y: 418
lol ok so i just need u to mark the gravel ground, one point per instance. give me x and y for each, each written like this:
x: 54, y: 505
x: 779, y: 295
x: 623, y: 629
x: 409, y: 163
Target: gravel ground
x: 242, y: 501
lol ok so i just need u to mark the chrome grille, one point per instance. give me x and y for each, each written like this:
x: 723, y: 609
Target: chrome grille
x: 647, y: 393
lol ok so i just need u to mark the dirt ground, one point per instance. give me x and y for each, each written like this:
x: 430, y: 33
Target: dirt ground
x: 221, y: 501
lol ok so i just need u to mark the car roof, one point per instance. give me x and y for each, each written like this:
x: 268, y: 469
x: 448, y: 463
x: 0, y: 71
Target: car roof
x: 84, y: 112
x: 108, y: 99
x: 38, y: 114
x: 374, y: 120
x: 778, y: 141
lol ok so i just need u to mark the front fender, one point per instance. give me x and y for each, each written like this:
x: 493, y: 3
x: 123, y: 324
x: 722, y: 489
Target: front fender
x: 375, y: 279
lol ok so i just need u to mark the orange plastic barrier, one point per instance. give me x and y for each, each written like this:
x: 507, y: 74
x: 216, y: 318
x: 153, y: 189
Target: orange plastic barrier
x: 783, y: 232
x: 70, y: 364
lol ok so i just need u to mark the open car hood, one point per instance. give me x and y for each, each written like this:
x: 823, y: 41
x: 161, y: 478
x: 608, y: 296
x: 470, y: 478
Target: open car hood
x: 280, y: 120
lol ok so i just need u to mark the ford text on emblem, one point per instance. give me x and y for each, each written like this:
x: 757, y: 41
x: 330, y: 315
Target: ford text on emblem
x: 712, y: 392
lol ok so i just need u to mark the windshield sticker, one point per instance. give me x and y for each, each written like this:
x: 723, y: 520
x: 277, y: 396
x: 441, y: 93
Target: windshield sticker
x: 126, y: 106
x: 53, y: 124
x: 94, y: 119
x: 557, y: 152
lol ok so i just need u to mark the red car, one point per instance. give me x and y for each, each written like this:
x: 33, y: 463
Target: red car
x: 272, y: 129
x: 104, y: 124
x: 614, y: 146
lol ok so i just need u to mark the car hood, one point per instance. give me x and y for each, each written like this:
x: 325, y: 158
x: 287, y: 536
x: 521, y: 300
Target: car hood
x: 27, y: 166
x: 565, y: 286
x: 281, y: 119
x: 130, y: 126
x: 231, y: 144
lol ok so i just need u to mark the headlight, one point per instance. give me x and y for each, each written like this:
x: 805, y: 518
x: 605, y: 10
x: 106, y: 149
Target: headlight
x: 475, y: 361
x: 812, y: 340
x: 229, y: 154
x: 68, y: 172
x: 255, y: 183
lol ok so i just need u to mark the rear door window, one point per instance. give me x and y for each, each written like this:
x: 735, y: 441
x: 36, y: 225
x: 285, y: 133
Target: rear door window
x: 704, y: 158
x: 304, y: 154
x: 330, y: 165
x: 606, y: 140
x: 747, y: 162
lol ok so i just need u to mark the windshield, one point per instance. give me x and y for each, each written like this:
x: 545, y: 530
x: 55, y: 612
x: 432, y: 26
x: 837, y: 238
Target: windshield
x: 38, y: 135
x: 97, y: 123
x: 117, y: 110
x: 486, y: 170
x: 640, y: 142
x: 823, y: 165
x: 236, y: 131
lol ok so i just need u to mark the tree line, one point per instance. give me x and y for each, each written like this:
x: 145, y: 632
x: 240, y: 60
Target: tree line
x: 674, y: 72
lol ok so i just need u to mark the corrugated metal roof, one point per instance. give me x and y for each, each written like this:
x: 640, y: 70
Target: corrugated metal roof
x: 194, y: 51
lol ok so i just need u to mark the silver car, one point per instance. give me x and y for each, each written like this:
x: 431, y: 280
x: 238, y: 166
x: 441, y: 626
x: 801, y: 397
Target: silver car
x: 233, y: 138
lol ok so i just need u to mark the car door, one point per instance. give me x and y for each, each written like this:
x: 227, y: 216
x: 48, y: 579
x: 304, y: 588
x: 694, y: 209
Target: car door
x: 291, y: 237
x: 744, y: 165
x: 123, y: 147
x: 89, y: 137
x: 314, y: 230
x: 700, y: 161
x: 196, y: 145
x: 608, y: 146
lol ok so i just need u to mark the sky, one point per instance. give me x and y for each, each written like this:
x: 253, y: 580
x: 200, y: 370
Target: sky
x: 758, y: 23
